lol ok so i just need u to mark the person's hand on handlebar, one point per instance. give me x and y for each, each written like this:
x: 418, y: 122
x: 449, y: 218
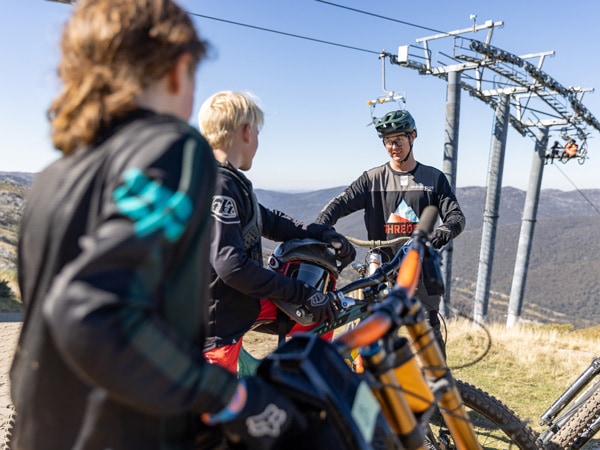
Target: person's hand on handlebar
x: 440, y: 236
x: 320, y: 305
x: 344, y: 250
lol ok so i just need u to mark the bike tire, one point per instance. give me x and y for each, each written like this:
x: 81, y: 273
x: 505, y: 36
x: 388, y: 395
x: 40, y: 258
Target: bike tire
x: 572, y: 424
x: 496, y: 425
x: 6, y: 430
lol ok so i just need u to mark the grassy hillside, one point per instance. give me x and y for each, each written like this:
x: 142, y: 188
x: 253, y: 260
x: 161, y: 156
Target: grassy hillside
x: 562, y: 279
x: 12, y: 193
x: 527, y: 367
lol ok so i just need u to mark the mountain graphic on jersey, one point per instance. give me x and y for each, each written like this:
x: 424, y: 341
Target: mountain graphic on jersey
x: 403, y: 213
x: 402, y: 221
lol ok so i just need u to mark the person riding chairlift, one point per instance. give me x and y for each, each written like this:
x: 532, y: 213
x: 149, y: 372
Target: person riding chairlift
x: 553, y: 153
x: 570, y: 149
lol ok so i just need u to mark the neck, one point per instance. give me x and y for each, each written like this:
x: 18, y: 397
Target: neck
x: 223, y: 157
x: 404, y: 166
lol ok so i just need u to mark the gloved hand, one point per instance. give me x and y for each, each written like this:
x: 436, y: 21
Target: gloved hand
x: 440, y: 236
x: 320, y: 305
x: 259, y: 416
x: 344, y: 250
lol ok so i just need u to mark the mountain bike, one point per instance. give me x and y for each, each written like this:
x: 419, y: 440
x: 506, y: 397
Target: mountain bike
x: 574, y: 417
x: 422, y: 405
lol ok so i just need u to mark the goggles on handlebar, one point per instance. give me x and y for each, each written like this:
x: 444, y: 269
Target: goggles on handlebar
x: 307, y: 260
x: 313, y: 275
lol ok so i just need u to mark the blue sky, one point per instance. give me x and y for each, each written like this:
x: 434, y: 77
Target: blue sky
x: 316, y: 133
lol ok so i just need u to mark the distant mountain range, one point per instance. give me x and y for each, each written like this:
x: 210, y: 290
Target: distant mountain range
x: 563, y: 282
x: 563, y: 279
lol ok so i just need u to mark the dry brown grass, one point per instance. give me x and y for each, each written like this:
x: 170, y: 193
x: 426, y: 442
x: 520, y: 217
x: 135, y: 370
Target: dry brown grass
x: 527, y: 366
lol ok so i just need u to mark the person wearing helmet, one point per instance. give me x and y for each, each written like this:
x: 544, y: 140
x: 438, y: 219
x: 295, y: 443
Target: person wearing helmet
x: 231, y: 122
x: 394, y: 195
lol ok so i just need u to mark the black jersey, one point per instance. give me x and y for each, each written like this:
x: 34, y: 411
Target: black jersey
x: 113, y: 257
x: 239, y: 279
x: 393, y: 201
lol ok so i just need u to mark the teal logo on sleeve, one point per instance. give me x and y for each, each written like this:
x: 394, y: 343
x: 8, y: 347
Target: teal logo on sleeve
x: 151, y: 206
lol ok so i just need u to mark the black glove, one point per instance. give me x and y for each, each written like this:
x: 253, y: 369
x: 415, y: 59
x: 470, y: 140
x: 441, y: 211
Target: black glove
x: 440, y: 236
x: 344, y: 250
x: 320, y: 305
x: 266, y: 419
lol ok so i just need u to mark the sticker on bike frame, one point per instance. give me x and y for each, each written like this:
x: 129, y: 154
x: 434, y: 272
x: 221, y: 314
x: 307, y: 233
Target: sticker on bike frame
x: 365, y: 409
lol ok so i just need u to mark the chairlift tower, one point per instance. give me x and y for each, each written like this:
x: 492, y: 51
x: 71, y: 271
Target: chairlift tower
x: 524, y: 97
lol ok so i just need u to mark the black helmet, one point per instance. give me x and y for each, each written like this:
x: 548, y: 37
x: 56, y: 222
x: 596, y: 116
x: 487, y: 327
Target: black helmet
x: 394, y: 122
x: 309, y: 260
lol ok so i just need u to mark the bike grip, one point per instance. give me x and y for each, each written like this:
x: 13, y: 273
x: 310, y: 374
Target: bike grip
x: 301, y: 312
x: 428, y: 219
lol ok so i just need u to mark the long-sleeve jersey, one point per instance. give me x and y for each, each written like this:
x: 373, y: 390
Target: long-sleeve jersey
x: 238, y: 277
x: 113, y: 272
x: 393, y: 201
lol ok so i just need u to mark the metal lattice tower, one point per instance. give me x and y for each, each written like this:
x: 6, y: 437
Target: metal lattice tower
x: 536, y: 99
x: 524, y: 97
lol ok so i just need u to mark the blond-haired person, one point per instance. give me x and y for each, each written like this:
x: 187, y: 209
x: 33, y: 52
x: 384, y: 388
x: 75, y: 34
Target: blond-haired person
x: 231, y: 122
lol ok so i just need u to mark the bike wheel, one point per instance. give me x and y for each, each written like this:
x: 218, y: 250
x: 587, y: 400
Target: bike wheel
x: 6, y: 430
x: 495, y: 424
x: 571, y: 425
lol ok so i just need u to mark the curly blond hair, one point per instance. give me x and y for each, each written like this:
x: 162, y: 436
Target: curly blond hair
x: 111, y: 51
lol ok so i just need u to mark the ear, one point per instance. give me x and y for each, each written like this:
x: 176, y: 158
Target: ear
x: 247, y: 132
x: 180, y: 69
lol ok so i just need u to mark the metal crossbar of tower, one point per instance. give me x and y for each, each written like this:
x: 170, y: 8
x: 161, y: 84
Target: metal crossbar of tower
x: 524, y: 97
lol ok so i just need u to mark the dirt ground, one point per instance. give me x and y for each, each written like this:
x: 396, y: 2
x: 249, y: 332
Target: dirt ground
x: 257, y: 344
x: 9, y: 333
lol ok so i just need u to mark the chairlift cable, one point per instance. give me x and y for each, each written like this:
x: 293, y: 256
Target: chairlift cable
x: 381, y: 17
x: 410, y: 24
x: 578, y: 190
x: 298, y: 36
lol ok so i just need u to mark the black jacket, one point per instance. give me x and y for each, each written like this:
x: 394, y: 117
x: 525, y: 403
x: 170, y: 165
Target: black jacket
x: 113, y: 270
x: 393, y: 203
x: 239, y: 280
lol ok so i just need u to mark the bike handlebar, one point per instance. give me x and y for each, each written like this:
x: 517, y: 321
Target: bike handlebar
x: 382, y: 319
x: 379, y: 276
x: 378, y: 243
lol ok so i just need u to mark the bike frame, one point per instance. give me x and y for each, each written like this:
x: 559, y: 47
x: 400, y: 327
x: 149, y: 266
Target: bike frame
x: 378, y: 333
x: 398, y: 391
x: 374, y: 275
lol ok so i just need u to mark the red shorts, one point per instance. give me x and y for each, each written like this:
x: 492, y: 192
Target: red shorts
x: 227, y: 356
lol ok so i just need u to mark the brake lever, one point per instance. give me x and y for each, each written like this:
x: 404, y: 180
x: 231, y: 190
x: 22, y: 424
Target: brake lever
x: 345, y: 302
